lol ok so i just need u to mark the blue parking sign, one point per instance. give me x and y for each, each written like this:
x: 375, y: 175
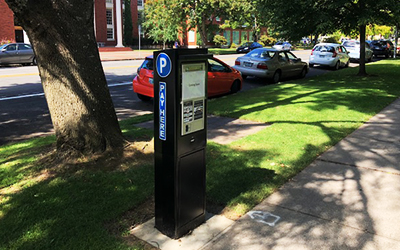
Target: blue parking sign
x: 164, y: 65
x: 162, y: 111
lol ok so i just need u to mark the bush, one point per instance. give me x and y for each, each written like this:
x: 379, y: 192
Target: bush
x: 219, y: 40
x: 267, y: 40
x: 4, y: 41
x: 331, y: 39
x: 233, y: 46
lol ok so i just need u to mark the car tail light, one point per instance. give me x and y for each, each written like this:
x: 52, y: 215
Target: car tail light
x: 262, y: 66
x: 237, y: 62
x: 334, y: 54
x: 312, y: 52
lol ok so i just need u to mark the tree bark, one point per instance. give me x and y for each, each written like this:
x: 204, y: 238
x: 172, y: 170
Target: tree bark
x: 361, y: 69
x: 203, y: 32
x: 81, y: 109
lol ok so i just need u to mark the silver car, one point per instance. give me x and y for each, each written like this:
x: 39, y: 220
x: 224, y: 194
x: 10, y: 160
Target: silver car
x: 271, y: 63
x: 17, y: 53
x: 329, y: 54
x: 353, y: 47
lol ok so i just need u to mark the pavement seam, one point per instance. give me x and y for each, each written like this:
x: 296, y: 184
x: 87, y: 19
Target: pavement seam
x: 355, y: 166
x: 331, y: 221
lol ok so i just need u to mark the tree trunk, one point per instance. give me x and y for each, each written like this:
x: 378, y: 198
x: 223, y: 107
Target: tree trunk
x: 396, y: 35
x: 203, y: 32
x: 361, y: 69
x: 81, y: 109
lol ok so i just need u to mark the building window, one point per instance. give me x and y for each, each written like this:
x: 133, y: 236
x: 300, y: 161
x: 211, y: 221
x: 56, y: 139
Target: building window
x: 109, y: 17
x: 110, y: 34
x: 227, y: 35
x: 235, y: 37
x: 109, y: 1
x: 140, y: 3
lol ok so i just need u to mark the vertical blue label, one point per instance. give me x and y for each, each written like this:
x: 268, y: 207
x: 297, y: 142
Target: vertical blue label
x: 163, y: 112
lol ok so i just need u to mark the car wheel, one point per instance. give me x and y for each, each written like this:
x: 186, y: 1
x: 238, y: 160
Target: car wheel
x: 347, y: 64
x: 144, y: 98
x: 311, y: 65
x: 337, y: 65
x: 303, y: 72
x: 277, y: 77
x: 387, y: 56
x: 235, y: 86
x: 34, y: 62
x: 244, y: 76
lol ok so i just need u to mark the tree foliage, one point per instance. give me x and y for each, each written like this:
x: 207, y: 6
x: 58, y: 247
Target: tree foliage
x: 163, y: 20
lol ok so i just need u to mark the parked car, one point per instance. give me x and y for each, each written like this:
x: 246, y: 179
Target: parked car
x: 17, y: 53
x: 222, y: 79
x: 282, y: 46
x: 353, y: 47
x: 329, y: 54
x: 271, y: 63
x: 382, y: 48
x: 247, y: 47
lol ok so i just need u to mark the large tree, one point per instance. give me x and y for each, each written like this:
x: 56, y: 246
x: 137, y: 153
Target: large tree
x: 81, y: 109
x: 305, y: 17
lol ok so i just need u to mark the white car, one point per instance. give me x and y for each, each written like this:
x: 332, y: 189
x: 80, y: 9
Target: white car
x: 282, y: 46
x: 329, y: 54
x: 354, y: 48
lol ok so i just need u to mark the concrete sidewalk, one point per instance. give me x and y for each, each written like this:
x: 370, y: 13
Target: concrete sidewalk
x: 348, y: 198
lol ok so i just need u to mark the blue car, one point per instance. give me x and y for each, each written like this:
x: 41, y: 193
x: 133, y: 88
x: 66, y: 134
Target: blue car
x: 247, y: 47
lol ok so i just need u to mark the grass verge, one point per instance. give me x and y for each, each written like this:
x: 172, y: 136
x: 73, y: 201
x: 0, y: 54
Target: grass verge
x: 84, y: 204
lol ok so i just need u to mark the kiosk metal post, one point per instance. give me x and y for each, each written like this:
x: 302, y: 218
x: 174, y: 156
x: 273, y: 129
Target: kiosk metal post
x: 180, y: 138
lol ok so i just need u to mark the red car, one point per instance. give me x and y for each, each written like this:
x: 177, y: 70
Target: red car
x: 222, y: 79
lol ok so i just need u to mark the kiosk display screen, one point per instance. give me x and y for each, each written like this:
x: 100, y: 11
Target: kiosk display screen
x: 193, y: 97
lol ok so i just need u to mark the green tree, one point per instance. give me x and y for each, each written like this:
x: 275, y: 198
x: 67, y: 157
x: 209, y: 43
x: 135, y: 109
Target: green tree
x: 81, y: 109
x: 304, y: 17
x: 298, y: 19
x: 128, y: 26
x: 356, y: 15
x: 163, y: 20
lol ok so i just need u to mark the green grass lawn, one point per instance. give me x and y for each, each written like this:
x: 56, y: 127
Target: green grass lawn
x: 78, y: 206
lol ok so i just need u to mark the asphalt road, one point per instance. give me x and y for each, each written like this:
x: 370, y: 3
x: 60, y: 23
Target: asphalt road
x: 24, y: 112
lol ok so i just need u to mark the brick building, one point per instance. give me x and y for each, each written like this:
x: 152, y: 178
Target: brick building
x: 108, y: 26
x: 108, y: 22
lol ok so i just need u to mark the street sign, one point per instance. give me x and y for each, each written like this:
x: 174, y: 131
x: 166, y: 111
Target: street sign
x: 164, y: 65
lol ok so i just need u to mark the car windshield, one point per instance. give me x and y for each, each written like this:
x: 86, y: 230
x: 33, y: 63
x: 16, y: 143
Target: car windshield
x: 279, y: 43
x: 246, y: 44
x: 382, y: 43
x: 351, y: 44
x: 325, y: 48
x: 3, y: 46
x: 147, y: 64
x: 261, y: 54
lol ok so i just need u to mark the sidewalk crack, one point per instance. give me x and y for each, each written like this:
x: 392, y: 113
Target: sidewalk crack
x: 355, y: 166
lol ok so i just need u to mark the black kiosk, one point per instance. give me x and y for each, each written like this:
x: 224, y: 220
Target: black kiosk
x: 180, y: 138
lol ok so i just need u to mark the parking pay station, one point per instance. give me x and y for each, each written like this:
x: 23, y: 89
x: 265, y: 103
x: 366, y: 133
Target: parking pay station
x: 180, y: 137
